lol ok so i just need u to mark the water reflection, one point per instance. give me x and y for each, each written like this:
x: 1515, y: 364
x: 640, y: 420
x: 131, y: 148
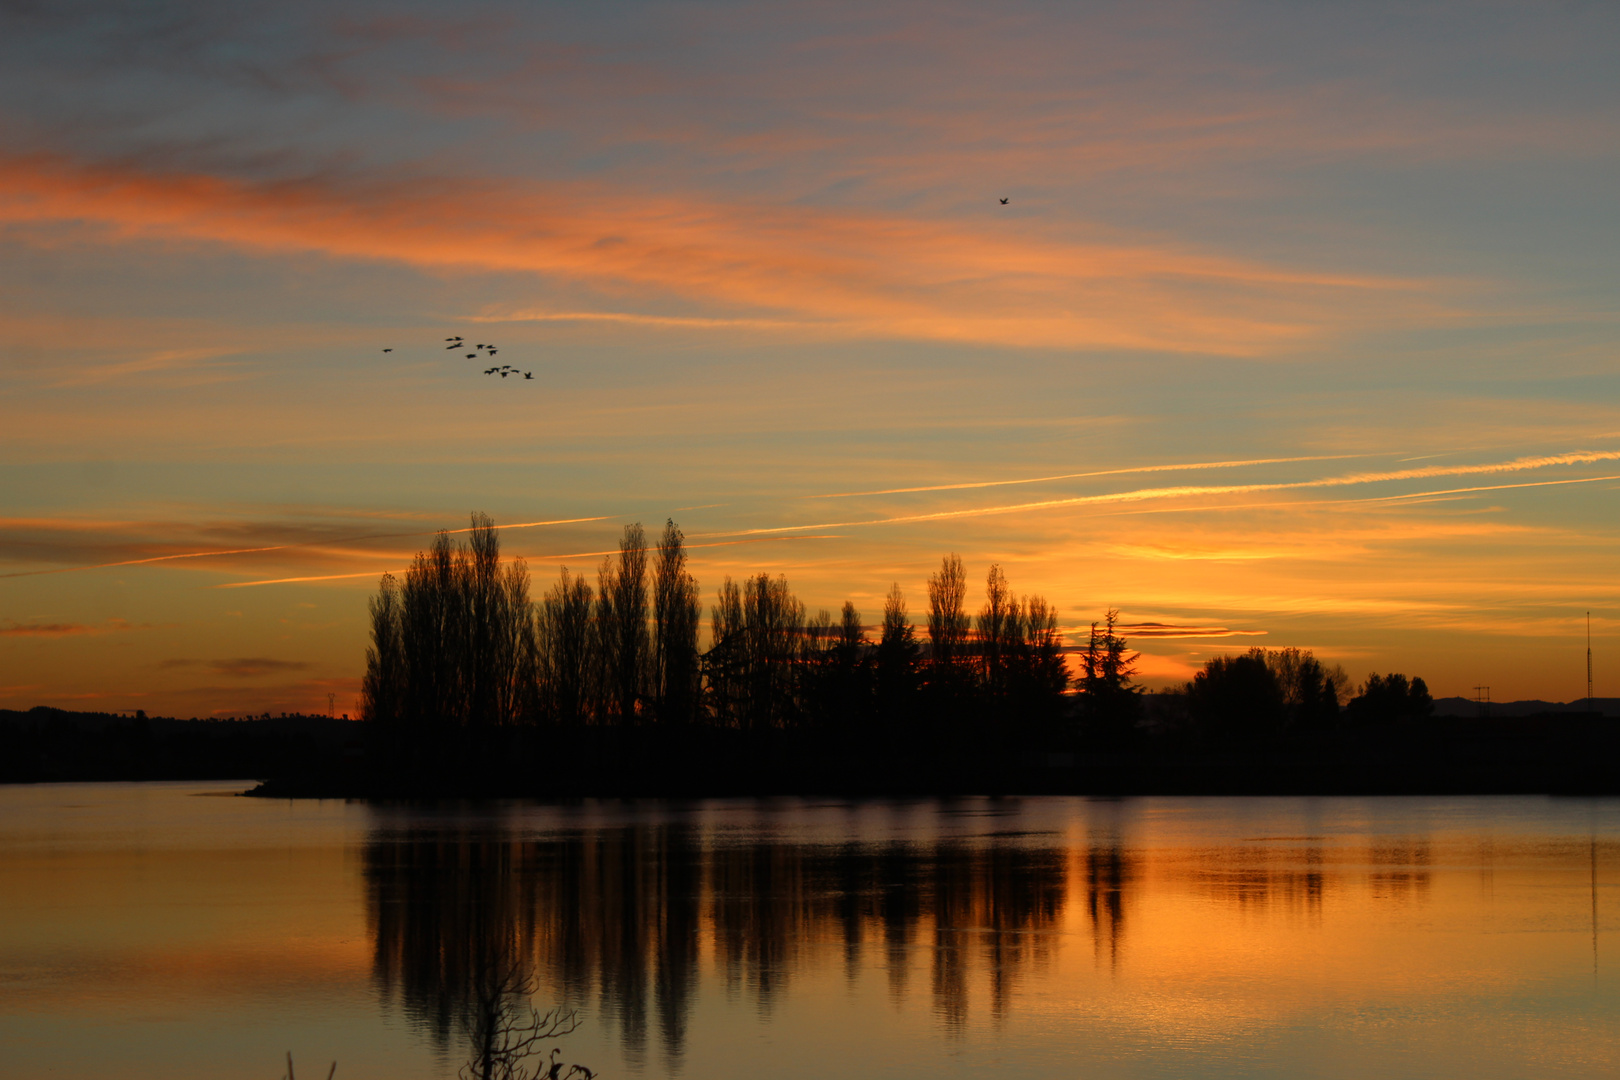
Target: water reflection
x: 633, y: 914
x: 622, y: 918
x: 1219, y: 938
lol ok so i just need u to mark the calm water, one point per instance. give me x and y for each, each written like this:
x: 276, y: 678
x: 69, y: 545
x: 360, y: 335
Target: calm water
x: 167, y: 930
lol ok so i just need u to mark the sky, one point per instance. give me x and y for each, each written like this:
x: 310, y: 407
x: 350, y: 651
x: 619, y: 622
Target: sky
x: 1298, y: 326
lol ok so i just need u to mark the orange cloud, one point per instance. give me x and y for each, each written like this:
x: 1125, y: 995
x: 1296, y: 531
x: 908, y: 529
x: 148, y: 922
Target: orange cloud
x: 243, y: 667
x: 10, y: 628
x: 1010, y: 282
x: 1172, y: 630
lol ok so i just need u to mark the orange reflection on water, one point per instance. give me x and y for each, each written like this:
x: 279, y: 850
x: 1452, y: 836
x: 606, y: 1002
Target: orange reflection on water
x: 1137, y: 937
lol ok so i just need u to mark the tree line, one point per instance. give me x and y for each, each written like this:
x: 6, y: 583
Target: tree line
x: 457, y: 643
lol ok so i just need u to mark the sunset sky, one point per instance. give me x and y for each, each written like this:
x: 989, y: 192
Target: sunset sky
x: 1299, y: 326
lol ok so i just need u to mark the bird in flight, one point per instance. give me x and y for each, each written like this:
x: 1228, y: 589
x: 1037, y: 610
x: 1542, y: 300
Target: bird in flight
x: 1003, y: 202
x: 388, y: 350
x: 456, y: 338
x: 528, y: 374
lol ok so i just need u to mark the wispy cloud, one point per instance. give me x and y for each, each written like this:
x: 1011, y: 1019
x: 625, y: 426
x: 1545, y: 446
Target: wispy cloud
x: 11, y: 628
x: 630, y: 318
x: 243, y: 667
x: 881, y: 275
x: 1174, y: 630
x: 264, y: 549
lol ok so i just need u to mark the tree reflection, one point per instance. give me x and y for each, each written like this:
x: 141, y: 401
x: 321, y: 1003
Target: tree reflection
x: 1110, y: 870
x: 619, y: 921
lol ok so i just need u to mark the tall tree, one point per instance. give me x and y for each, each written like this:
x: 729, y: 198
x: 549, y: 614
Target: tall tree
x: 851, y: 634
x: 676, y: 611
x: 381, y: 693
x: 725, y: 664
x: 569, y: 664
x: 433, y: 634
x: 897, y: 654
x: 1042, y: 675
x: 774, y: 626
x: 947, y: 622
x: 622, y: 620
x: 453, y: 645
x: 1001, y: 634
x: 1107, y: 691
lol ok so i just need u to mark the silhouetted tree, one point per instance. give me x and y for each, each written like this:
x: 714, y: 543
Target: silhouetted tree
x: 773, y: 620
x: 759, y: 643
x: 1236, y: 698
x: 382, y: 691
x: 506, y: 1033
x: 1310, y: 691
x: 1391, y: 699
x: 453, y: 645
x: 1040, y: 677
x: 1020, y: 653
x: 676, y: 611
x: 725, y: 664
x: 949, y: 677
x: 896, y: 659
x: 1001, y: 634
x: 622, y: 623
x: 842, y: 689
x: 947, y: 622
x: 569, y: 668
x: 1111, y: 701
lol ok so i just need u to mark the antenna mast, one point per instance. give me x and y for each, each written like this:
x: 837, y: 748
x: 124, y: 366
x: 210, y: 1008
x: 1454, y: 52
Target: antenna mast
x: 1589, y: 706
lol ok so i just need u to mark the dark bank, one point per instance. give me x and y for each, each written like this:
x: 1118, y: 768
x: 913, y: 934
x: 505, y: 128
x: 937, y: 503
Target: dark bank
x: 474, y: 690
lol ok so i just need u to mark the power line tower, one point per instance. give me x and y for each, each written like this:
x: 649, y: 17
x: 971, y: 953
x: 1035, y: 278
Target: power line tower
x: 1482, y: 698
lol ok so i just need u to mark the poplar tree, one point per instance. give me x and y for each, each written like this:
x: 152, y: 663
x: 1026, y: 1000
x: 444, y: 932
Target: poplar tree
x: 568, y: 666
x: 676, y: 611
x: 622, y: 622
x: 947, y: 623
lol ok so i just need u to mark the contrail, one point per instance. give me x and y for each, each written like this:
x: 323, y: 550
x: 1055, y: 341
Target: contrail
x: 312, y: 577
x: 1492, y: 487
x: 1374, y: 498
x: 1082, y: 475
x: 1147, y: 494
x: 284, y: 547
x: 572, y: 555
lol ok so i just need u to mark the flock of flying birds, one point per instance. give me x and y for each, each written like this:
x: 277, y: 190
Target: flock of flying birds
x: 503, y: 370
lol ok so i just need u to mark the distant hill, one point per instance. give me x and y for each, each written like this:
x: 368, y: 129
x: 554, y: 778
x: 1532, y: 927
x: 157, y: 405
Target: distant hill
x: 1461, y: 706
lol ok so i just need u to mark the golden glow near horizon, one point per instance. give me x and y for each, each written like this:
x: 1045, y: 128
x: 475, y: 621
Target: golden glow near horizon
x: 1297, y: 327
